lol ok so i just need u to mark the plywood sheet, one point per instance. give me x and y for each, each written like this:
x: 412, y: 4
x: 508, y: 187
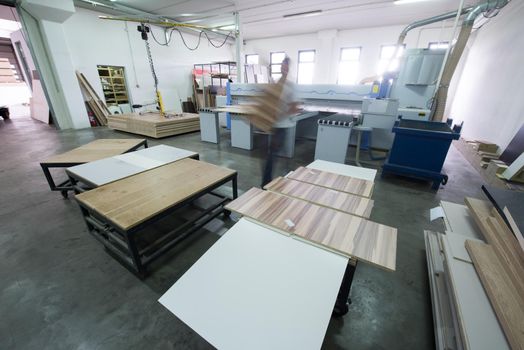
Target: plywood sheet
x: 503, y: 293
x: 342, y: 201
x: 155, y: 125
x: 334, y: 181
x: 328, y: 228
x: 131, y: 201
x: 98, y: 149
x: 457, y: 244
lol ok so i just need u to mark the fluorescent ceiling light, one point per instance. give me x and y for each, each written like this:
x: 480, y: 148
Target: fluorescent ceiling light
x: 305, y: 14
x: 402, y: 2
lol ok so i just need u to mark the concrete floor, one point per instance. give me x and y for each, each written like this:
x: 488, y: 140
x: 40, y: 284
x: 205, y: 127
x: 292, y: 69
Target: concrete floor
x: 60, y: 290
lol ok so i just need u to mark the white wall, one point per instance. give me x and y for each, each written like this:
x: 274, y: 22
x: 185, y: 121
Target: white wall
x: 328, y: 53
x: 488, y: 92
x: 93, y: 41
x: 39, y: 107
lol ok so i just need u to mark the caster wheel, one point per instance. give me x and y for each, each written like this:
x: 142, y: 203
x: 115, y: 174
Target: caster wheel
x: 227, y: 214
x: 339, y: 311
x: 445, y: 180
x: 64, y: 194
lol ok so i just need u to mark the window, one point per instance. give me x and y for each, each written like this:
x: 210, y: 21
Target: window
x: 438, y: 45
x: 275, y: 61
x: 306, y: 66
x: 386, y: 52
x: 348, y: 66
x: 252, y: 59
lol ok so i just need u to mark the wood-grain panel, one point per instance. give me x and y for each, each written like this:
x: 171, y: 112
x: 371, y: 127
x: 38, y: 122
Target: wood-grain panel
x: 98, y: 149
x: 334, y: 181
x: 499, y: 236
x: 347, y: 234
x: 501, y: 289
x: 333, y: 199
x: 131, y: 201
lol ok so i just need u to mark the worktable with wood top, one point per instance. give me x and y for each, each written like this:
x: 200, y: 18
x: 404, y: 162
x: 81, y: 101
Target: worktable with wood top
x: 279, y: 269
x: 104, y: 171
x: 95, y: 150
x: 119, y: 212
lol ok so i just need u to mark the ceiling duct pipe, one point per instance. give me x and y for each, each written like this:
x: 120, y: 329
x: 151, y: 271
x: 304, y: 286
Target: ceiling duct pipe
x: 451, y: 64
x: 423, y: 22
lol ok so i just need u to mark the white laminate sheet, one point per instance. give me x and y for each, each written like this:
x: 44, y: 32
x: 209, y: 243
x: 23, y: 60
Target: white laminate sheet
x: 258, y: 289
x: 459, y: 220
x: 344, y: 169
x: 478, y: 322
x: 107, y: 170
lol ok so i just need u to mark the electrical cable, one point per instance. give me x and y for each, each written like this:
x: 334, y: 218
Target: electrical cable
x: 202, y: 33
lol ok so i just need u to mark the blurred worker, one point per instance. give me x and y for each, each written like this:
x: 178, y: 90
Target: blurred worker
x: 286, y: 107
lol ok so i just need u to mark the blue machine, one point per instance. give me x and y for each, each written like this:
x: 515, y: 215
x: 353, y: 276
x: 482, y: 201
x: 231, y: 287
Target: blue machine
x: 420, y: 149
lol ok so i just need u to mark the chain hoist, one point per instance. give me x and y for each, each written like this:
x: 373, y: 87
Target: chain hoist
x: 143, y: 29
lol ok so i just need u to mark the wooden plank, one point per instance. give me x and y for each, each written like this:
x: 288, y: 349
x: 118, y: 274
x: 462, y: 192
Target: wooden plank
x: 98, y: 149
x: 502, y: 291
x: 131, y: 201
x: 155, y: 125
x: 344, y: 233
x: 98, y: 107
x: 334, y: 181
x: 514, y: 227
x: 337, y: 200
x: 501, y: 239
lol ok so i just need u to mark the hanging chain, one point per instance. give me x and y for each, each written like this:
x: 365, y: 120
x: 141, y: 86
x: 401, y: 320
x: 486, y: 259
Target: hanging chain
x: 150, y: 58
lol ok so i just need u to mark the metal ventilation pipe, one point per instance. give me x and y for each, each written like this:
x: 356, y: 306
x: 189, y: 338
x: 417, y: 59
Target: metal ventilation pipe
x: 451, y: 64
x: 424, y: 22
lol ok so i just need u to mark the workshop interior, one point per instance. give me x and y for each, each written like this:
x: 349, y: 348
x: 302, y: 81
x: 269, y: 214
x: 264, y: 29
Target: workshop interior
x: 262, y: 174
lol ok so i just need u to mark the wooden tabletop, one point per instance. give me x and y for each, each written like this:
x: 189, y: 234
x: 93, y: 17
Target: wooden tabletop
x: 131, y: 201
x: 348, y: 203
x: 334, y: 181
x: 98, y: 149
x: 331, y: 229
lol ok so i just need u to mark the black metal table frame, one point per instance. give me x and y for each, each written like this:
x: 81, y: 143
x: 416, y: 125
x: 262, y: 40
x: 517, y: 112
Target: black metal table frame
x: 122, y: 244
x: 343, y: 300
x: 66, y: 185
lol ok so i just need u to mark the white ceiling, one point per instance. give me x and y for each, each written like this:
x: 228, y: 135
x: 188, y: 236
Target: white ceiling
x: 264, y: 18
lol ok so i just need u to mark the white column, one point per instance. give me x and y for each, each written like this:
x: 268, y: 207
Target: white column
x: 324, y: 67
x: 59, y: 78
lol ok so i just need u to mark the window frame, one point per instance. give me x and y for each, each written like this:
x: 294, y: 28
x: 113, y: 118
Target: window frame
x: 299, y: 62
x: 271, y: 64
x: 252, y: 54
x: 438, y: 43
x: 340, y: 60
x: 380, y: 59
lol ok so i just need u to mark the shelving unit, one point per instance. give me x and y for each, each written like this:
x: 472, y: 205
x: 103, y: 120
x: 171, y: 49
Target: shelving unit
x: 114, y: 85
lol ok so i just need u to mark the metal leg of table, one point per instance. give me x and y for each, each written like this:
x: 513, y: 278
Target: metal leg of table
x: 234, y: 181
x: 63, y: 187
x: 342, y: 304
x: 133, y: 251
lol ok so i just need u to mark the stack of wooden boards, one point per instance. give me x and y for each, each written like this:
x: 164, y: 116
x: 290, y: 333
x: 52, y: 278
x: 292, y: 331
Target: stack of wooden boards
x: 476, y: 275
x: 98, y: 107
x: 155, y: 125
x: 325, y: 209
x: 500, y: 266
